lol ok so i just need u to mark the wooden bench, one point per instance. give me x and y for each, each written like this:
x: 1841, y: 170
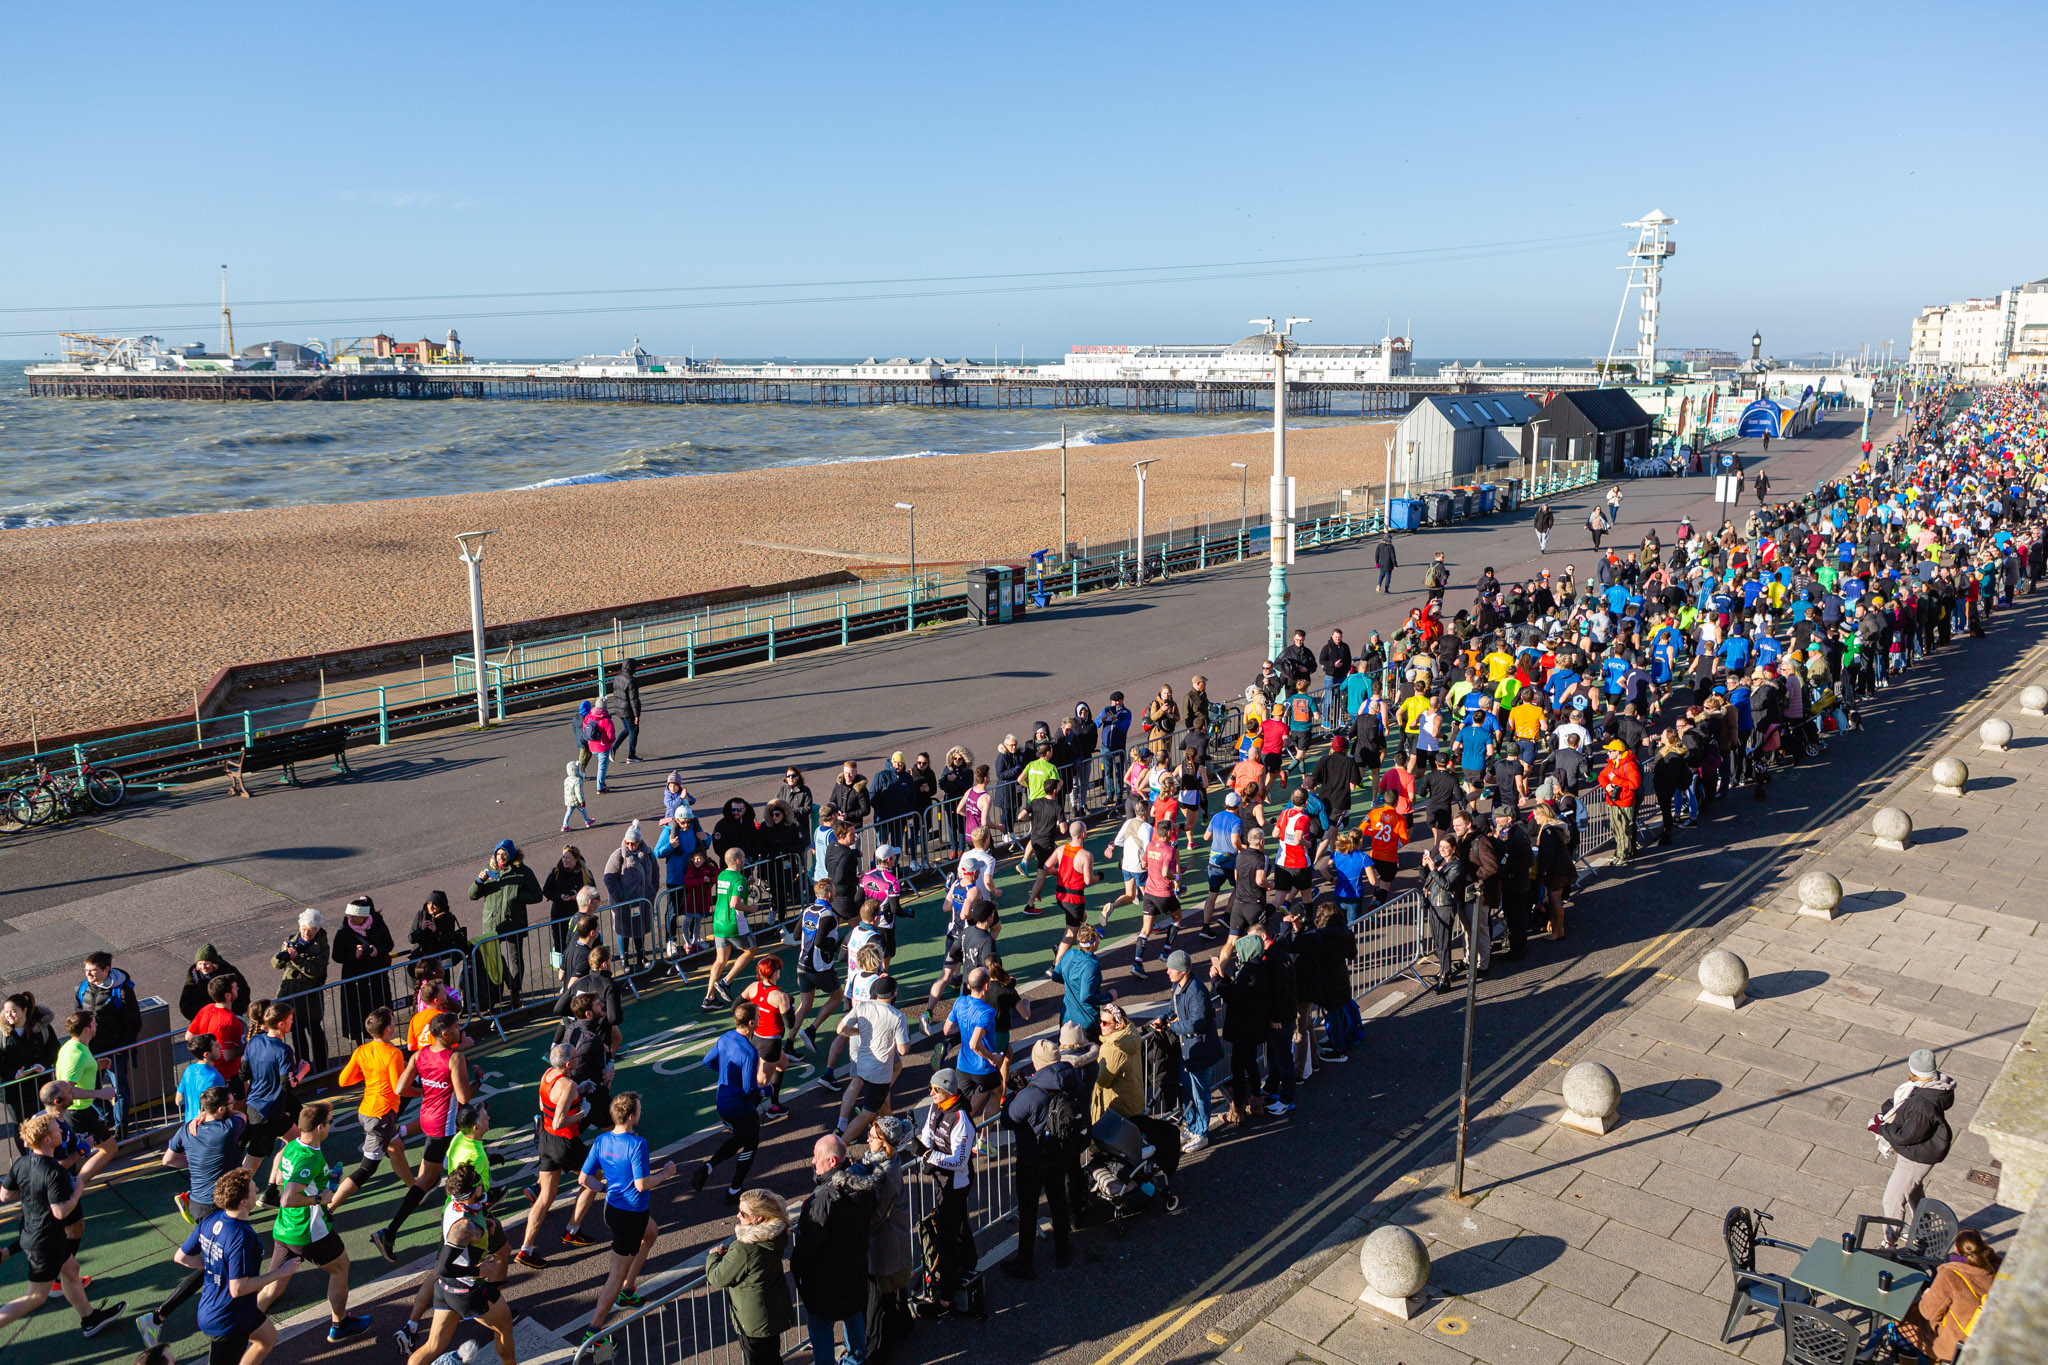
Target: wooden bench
x: 286, y: 749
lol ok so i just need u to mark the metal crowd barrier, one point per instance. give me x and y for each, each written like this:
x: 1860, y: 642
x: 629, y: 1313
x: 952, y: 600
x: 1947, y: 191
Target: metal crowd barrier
x: 326, y: 1027
x: 1392, y: 941
x: 691, y: 1322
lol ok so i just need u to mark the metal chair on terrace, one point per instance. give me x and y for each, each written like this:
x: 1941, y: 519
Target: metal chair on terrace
x: 1755, y: 1290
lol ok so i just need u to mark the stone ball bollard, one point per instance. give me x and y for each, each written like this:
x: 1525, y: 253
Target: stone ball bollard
x: 1724, y: 979
x: 1951, y: 776
x: 1395, y: 1264
x: 1995, y: 735
x: 1591, y: 1098
x: 1820, y: 895
x: 1893, y: 828
x: 2034, y: 700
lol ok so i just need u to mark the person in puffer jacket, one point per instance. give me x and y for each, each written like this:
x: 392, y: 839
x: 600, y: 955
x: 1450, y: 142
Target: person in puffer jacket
x: 572, y: 796
x: 1914, y: 1125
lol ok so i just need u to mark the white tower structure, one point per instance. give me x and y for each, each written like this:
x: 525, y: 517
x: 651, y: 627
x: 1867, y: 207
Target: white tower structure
x: 1646, y: 257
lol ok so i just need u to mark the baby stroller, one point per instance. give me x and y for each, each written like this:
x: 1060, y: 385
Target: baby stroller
x: 1122, y: 1167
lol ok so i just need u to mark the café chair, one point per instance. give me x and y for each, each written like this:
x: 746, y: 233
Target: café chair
x: 1816, y: 1338
x: 1755, y: 1291
x: 1925, y: 1246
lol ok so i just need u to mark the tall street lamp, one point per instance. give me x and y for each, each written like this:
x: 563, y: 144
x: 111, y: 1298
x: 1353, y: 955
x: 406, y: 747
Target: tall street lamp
x: 1244, y: 484
x: 1139, y: 465
x: 912, y: 509
x: 1280, y: 501
x: 472, y: 555
x: 1535, y: 446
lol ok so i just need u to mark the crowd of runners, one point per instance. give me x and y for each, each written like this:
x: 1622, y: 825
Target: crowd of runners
x: 1463, y: 757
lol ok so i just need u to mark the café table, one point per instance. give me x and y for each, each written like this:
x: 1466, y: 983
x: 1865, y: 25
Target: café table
x: 1851, y: 1277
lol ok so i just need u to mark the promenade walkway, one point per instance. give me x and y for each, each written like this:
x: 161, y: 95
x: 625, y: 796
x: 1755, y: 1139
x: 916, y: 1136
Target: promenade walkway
x: 1581, y: 1249
x: 361, y: 829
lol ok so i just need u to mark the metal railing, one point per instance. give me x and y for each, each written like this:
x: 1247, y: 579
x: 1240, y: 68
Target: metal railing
x: 540, y: 673
x: 691, y: 1321
x: 1392, y: 941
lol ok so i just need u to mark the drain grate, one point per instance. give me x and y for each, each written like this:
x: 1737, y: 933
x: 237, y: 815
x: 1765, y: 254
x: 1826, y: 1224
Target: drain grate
x: 1988, y: 1179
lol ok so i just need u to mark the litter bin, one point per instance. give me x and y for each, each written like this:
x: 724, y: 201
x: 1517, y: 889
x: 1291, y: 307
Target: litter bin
x: 1511, y: 495
x: 996, y: 594
x: 1461, y: 503
x: 1439, y: 509
x: 152, y: 1067
x: 1404, y: 514
x: 1488, y: 495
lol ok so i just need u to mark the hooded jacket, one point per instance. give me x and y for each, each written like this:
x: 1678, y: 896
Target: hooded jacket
x: 572, y: 786
x: 435, y: 928
x: 830, y: 1258
x: 734, y: 831
x: 749, y: 1270
x: 1917, y: 1127
x: 114, y: 1008
x: 625, y: 694
x: 506, y: 894
x: 851, y: 799
x: 193, y: 997
x: 631, y: 875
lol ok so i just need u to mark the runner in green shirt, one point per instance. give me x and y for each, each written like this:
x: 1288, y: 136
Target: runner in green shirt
x: 1037, y: 773
x: 730, y: 936
x: 301, y: 1230
x: 75, y: 1062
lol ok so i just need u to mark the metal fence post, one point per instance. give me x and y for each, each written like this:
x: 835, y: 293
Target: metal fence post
x: 499, y: 680
x: 248, y: 730
x: 383, y: 719
x: 1074, y: 577
x: 771, y: 639
x: 910, y: 606
x: 690, y: 655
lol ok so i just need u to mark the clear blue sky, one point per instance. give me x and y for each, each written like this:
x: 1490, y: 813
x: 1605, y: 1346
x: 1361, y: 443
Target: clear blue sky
x: 1832, y: 168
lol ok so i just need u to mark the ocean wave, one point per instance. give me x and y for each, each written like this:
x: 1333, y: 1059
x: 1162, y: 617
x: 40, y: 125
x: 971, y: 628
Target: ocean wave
x: 269, y: 438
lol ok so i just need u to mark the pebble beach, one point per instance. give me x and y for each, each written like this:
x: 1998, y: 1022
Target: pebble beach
x: 113, y: 622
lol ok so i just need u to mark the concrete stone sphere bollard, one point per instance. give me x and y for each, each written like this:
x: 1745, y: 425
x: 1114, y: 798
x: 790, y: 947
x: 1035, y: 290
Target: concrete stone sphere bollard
x: 1724, y: 979
x: 1893, y: 828
x: 2034, y: 700
x: 1951, y: 776
x: 1820, y: 895
x: 1395, y: 1264
x: 1995, y: 735
x: 1591, y: 1098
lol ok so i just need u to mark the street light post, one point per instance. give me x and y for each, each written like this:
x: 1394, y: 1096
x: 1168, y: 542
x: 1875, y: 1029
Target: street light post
x: 1063, y: 490
x: 1244, y: 486
x: 473, y: 557
x: 1139, y: 465
x: 1281, y: 506
x: 1535, y: 446
x: 912, y: 509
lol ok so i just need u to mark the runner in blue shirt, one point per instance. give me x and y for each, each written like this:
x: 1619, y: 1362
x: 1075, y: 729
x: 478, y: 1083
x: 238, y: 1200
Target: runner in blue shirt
x: 228, y: 1253
x: 974, y: 1020
x: 737, y: 1063
x: 1473, y: 742
x: 1612, y: 671
x: 199, y: 1076
x: 1734, y: 653
x: 620, y: 1159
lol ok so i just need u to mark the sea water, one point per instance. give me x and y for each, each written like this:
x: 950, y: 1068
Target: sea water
x: 71, y: 460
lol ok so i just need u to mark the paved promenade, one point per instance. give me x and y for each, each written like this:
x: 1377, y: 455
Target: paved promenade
x: 153, y: 881
x: 1581, y: 1249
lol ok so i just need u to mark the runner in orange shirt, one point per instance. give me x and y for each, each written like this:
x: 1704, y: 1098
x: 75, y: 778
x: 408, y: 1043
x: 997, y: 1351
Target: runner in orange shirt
x: 376, y: 1066
x: 1387, y: 828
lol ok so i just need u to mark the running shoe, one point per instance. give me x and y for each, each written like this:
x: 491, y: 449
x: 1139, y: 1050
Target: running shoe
x: 629, y: 1298
x: 774, y: 1110
x: 831, y: 1082
x: 575, y: 1237
x: 925, y: 1021
x: 1138, y: 971
x: 1278, y: 1107
x: 732, y: 1196
x: 532, y: 1193
x: 811, y: 1035
x: 268, y: 1199
x: 1031, y: 908
x: 184, y: 1202
x: 698, y: 1177
x: 96, y: 1321
x: 407, y: 1337
x: 381, y: 1239
x: 151, y: 1330
x: 348, y: 1327
x: 588, y: 1334
x: 530, y: 1258
x: 1193, y: 1142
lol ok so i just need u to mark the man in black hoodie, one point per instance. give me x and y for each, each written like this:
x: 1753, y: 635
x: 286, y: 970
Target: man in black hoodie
x: 199, y: 979
x: 1915, y: 1125
x: 1042, y: 1160
x: 625, y: 708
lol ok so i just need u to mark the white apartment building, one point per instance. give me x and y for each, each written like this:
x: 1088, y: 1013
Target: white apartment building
x: 2004, y: 336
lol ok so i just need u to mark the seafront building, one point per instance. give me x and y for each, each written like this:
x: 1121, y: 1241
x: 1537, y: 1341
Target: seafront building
x: 2004, y: 336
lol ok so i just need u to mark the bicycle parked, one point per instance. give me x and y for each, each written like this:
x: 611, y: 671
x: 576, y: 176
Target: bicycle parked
x: 43, y: 797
